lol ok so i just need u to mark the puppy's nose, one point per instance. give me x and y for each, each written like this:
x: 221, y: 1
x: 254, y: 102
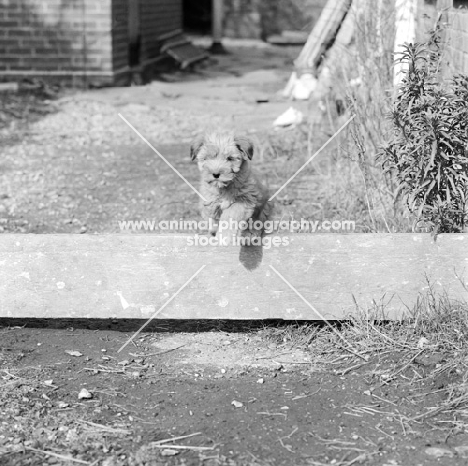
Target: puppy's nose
x: 216, y: 175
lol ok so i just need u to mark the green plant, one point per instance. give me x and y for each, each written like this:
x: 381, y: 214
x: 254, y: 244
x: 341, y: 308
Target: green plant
x: 428, y: 151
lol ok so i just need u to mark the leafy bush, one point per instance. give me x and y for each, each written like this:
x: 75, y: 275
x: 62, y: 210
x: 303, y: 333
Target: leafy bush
x: 428, y: 151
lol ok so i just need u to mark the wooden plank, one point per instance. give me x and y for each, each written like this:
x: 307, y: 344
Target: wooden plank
x: 322, y: 36
x: 131, y: 276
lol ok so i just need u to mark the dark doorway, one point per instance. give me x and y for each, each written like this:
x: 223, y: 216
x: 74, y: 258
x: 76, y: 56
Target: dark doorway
x: 134, y: 33
x: 197, y: 16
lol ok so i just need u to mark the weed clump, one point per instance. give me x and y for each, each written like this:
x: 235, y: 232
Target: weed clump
x: 428, y: 150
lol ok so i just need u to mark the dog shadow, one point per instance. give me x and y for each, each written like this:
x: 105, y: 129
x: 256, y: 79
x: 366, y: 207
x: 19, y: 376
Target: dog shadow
x: 251, y: 256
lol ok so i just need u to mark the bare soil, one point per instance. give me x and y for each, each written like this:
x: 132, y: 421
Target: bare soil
x: 250, y: 401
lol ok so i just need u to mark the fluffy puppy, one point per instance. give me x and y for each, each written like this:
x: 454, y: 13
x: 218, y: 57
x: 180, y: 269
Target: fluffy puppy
x: 231, y: 189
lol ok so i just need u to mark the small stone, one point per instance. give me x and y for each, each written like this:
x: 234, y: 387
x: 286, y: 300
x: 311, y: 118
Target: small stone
x: 85, y: 394
x: 110, y: 461
x: 423, y: 342
x: 169, y: 452
x: 237, y: 404
x: 438, y: 452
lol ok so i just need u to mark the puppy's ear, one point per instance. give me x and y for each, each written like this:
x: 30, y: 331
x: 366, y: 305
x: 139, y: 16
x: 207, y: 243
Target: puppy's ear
x: 245, y: 146
x: 195, y: 147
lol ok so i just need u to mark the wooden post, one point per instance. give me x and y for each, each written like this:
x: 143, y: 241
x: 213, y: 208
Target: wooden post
x: 217, y: 46
x: 322, y: 36
x: 303, y: 80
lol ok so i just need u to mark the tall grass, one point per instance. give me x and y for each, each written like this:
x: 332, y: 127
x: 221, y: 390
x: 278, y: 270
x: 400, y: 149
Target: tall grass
x: 362, y: 75
x: 347, y: 179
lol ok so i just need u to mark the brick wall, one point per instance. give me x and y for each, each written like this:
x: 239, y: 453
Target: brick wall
x: 158, y: 17
x: 119, y: 37
x: 84, y: 39
x: 455, y: 37
x: 55, y: 38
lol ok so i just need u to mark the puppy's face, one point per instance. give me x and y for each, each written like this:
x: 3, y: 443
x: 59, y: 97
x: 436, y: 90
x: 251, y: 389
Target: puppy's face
x: 220, y: 157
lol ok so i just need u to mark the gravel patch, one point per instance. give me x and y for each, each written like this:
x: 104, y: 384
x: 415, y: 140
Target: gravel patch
x: 90, y: 122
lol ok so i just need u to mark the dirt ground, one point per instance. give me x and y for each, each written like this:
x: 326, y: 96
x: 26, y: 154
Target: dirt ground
x: 237, y: 397
x: 248, y: 399
x: 73, y: 165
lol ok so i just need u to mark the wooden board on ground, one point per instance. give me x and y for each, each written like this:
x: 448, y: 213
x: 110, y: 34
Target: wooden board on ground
x: 133, y: 275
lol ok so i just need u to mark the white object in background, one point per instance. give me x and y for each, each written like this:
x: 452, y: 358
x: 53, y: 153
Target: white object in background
x: 405, y: 32
x: 355, y: 82
x: 304, y: 87
x: 291, y: 117
x: 300, y: 88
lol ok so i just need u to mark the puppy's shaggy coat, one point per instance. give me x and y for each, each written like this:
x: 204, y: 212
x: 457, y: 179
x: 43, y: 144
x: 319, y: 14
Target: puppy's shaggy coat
x: 231, y: 188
